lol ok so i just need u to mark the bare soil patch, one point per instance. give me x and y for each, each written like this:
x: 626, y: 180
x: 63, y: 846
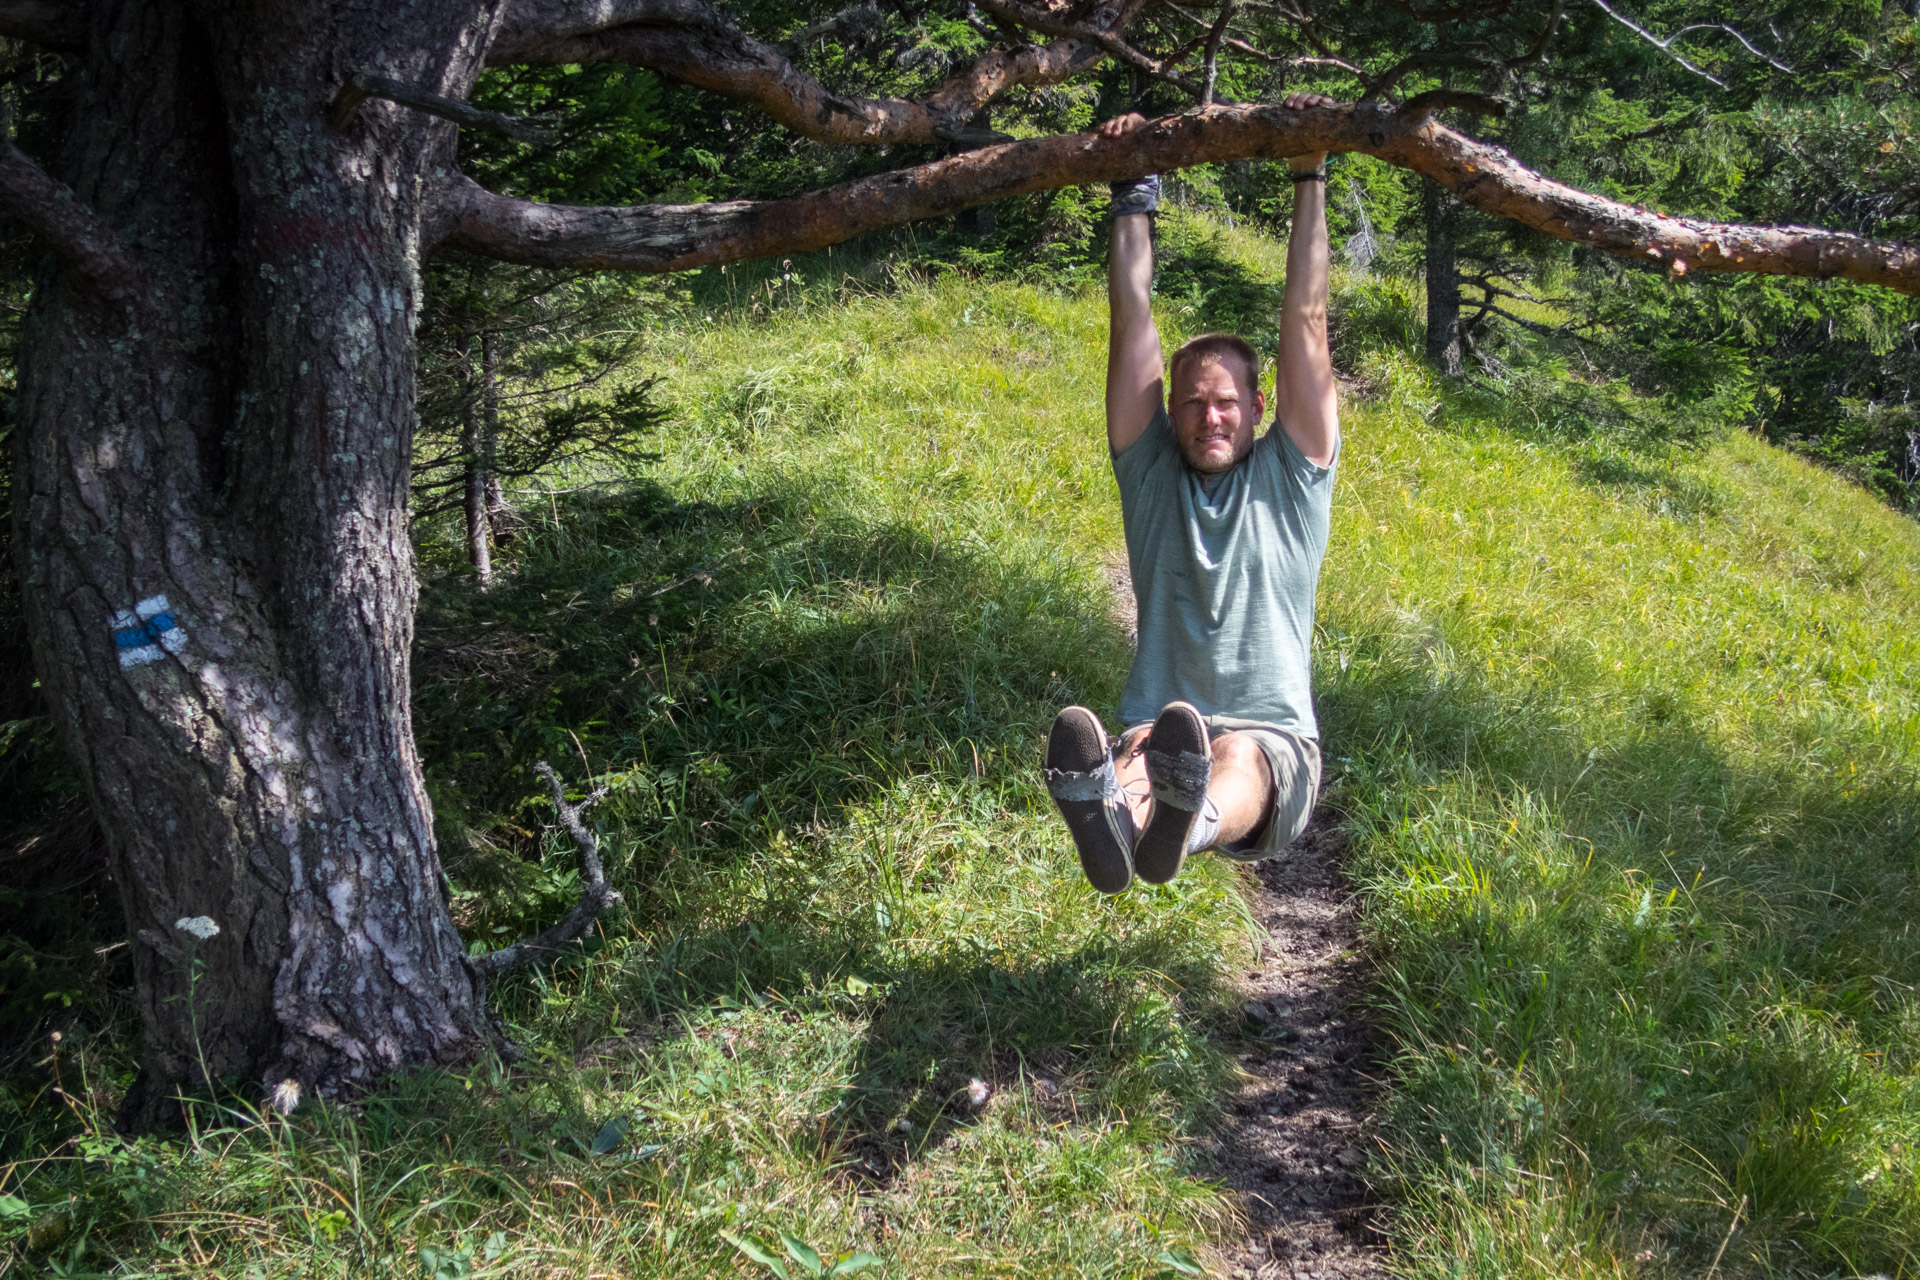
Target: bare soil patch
x: 1295, y: 1144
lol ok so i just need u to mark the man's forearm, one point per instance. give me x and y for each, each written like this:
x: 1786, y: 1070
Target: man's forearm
x: 1307, y: 251
x: 1130, y: 269
x: 1133, y: 344
x: 1306, y: 399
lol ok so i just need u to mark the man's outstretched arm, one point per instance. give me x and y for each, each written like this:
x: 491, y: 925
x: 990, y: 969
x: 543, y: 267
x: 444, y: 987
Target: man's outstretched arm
x: 1134, y: 375
x: 1305, y: 399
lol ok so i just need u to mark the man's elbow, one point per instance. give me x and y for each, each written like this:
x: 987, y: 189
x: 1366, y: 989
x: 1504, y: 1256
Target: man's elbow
x: 1311, y: 312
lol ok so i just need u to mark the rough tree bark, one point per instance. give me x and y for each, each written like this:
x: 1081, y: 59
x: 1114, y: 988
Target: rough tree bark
x: 215, y: 419
x: 1442, y: 214
x: 212, y: 509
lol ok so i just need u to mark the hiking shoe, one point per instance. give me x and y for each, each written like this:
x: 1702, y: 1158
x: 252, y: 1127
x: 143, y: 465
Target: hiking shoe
x: 1081, y: 780
x: 1179, y: 765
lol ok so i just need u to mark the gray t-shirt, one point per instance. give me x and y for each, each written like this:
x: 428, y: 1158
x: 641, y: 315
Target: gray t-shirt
x: 1225, y: 579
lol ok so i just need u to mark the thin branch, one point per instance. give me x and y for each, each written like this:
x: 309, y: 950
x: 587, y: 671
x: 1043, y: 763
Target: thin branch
x: 1453, y: 12
x: 1745, y: 43
x: 659, y: 238
x: 1489, y: 364
x: 596, y: 897
x: 361, y: 86
x: 1425, y: 104
x: 1299, y: 60
x: 53, y: 24
x: 1686, y: 120
x: 1272, y: 59
x: 1311, y: 33
x: 1537, y: 51
x: 693, y: 41
x: 1544, y: 330
x: 1425, y: 60
x: 1047, y: 23
x: 853, y: 16
x: 1666, y: 46
x: 74, y: 232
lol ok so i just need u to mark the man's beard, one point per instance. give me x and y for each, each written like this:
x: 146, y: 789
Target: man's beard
x: 1240, y: 456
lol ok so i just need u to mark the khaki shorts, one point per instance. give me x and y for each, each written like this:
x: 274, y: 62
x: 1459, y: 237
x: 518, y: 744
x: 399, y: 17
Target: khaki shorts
x: 1295, y: 761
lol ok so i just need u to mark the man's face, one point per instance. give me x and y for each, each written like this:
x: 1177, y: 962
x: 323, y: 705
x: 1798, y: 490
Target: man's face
x: 1214, y: 413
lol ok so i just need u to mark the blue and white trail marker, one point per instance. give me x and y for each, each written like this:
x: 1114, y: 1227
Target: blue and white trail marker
x: 146, y: 632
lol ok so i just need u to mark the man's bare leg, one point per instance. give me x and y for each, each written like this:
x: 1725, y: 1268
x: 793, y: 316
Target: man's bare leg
x: 1241, y: 786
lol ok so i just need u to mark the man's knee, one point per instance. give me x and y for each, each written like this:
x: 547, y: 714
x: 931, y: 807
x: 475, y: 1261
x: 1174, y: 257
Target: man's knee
x: 1239, y: 753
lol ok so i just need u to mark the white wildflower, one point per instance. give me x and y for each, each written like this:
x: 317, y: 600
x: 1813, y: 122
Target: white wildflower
x: 286, y: 1096
x: 978, y: 1091
x: 201, y: 927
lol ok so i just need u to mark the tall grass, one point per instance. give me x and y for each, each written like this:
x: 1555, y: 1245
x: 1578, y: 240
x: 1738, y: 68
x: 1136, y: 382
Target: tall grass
x: 1630, y: 743
x: 1625, y: 732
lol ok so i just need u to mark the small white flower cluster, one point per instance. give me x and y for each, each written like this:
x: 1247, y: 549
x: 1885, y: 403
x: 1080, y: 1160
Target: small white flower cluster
x: 201, y: 927
x: 286, y: 1096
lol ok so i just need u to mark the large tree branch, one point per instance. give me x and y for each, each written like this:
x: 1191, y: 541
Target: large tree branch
x: 656, y: 238
x: 67, y: 226
x: 56, y: 24
x: 693, y: 41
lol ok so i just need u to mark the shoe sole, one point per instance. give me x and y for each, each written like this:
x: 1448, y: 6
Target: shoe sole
x: 1162, y: 848
x: 1077, y: 744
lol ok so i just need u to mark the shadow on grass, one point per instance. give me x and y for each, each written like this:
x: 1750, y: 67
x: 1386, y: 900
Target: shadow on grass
x: 1644, y: 481
x: 736, y: 671
x: 1677, y: 979
x: 772, y: 688
x: 1112, y: 1028
x: 1195, y: 268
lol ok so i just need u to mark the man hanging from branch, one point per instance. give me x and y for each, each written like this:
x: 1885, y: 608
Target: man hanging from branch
x: 1225, y: 530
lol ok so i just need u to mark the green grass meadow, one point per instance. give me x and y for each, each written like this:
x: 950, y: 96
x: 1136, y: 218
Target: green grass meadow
x: 1625, y: 733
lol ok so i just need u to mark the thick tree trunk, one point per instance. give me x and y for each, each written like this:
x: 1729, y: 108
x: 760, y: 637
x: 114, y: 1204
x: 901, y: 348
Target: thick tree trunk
x: 217, y: 575
x: 1442, y: 214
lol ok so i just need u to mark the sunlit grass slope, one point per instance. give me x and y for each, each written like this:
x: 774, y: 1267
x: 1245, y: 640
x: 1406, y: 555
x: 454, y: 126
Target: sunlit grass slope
x: 1629, y: 744
x: 1625, y: 735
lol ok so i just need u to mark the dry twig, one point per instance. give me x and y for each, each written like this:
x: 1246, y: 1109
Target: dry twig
x: 596, y: 897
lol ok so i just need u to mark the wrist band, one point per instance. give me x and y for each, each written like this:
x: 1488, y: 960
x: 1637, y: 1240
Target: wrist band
x: 1310, y: 175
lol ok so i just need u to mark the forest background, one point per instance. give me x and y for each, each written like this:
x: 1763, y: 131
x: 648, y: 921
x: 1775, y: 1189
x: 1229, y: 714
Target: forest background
x: 1804, y: 115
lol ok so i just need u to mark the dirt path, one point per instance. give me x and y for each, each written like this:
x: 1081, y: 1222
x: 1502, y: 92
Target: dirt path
x: 1294, y: 1145
x: 1294, y: 1148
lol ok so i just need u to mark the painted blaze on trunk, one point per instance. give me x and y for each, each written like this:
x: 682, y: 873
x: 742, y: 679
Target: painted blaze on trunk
x: 217, y: 573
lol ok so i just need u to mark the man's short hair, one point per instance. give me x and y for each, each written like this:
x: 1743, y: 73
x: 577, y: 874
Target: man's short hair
x: 1221, y: 347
